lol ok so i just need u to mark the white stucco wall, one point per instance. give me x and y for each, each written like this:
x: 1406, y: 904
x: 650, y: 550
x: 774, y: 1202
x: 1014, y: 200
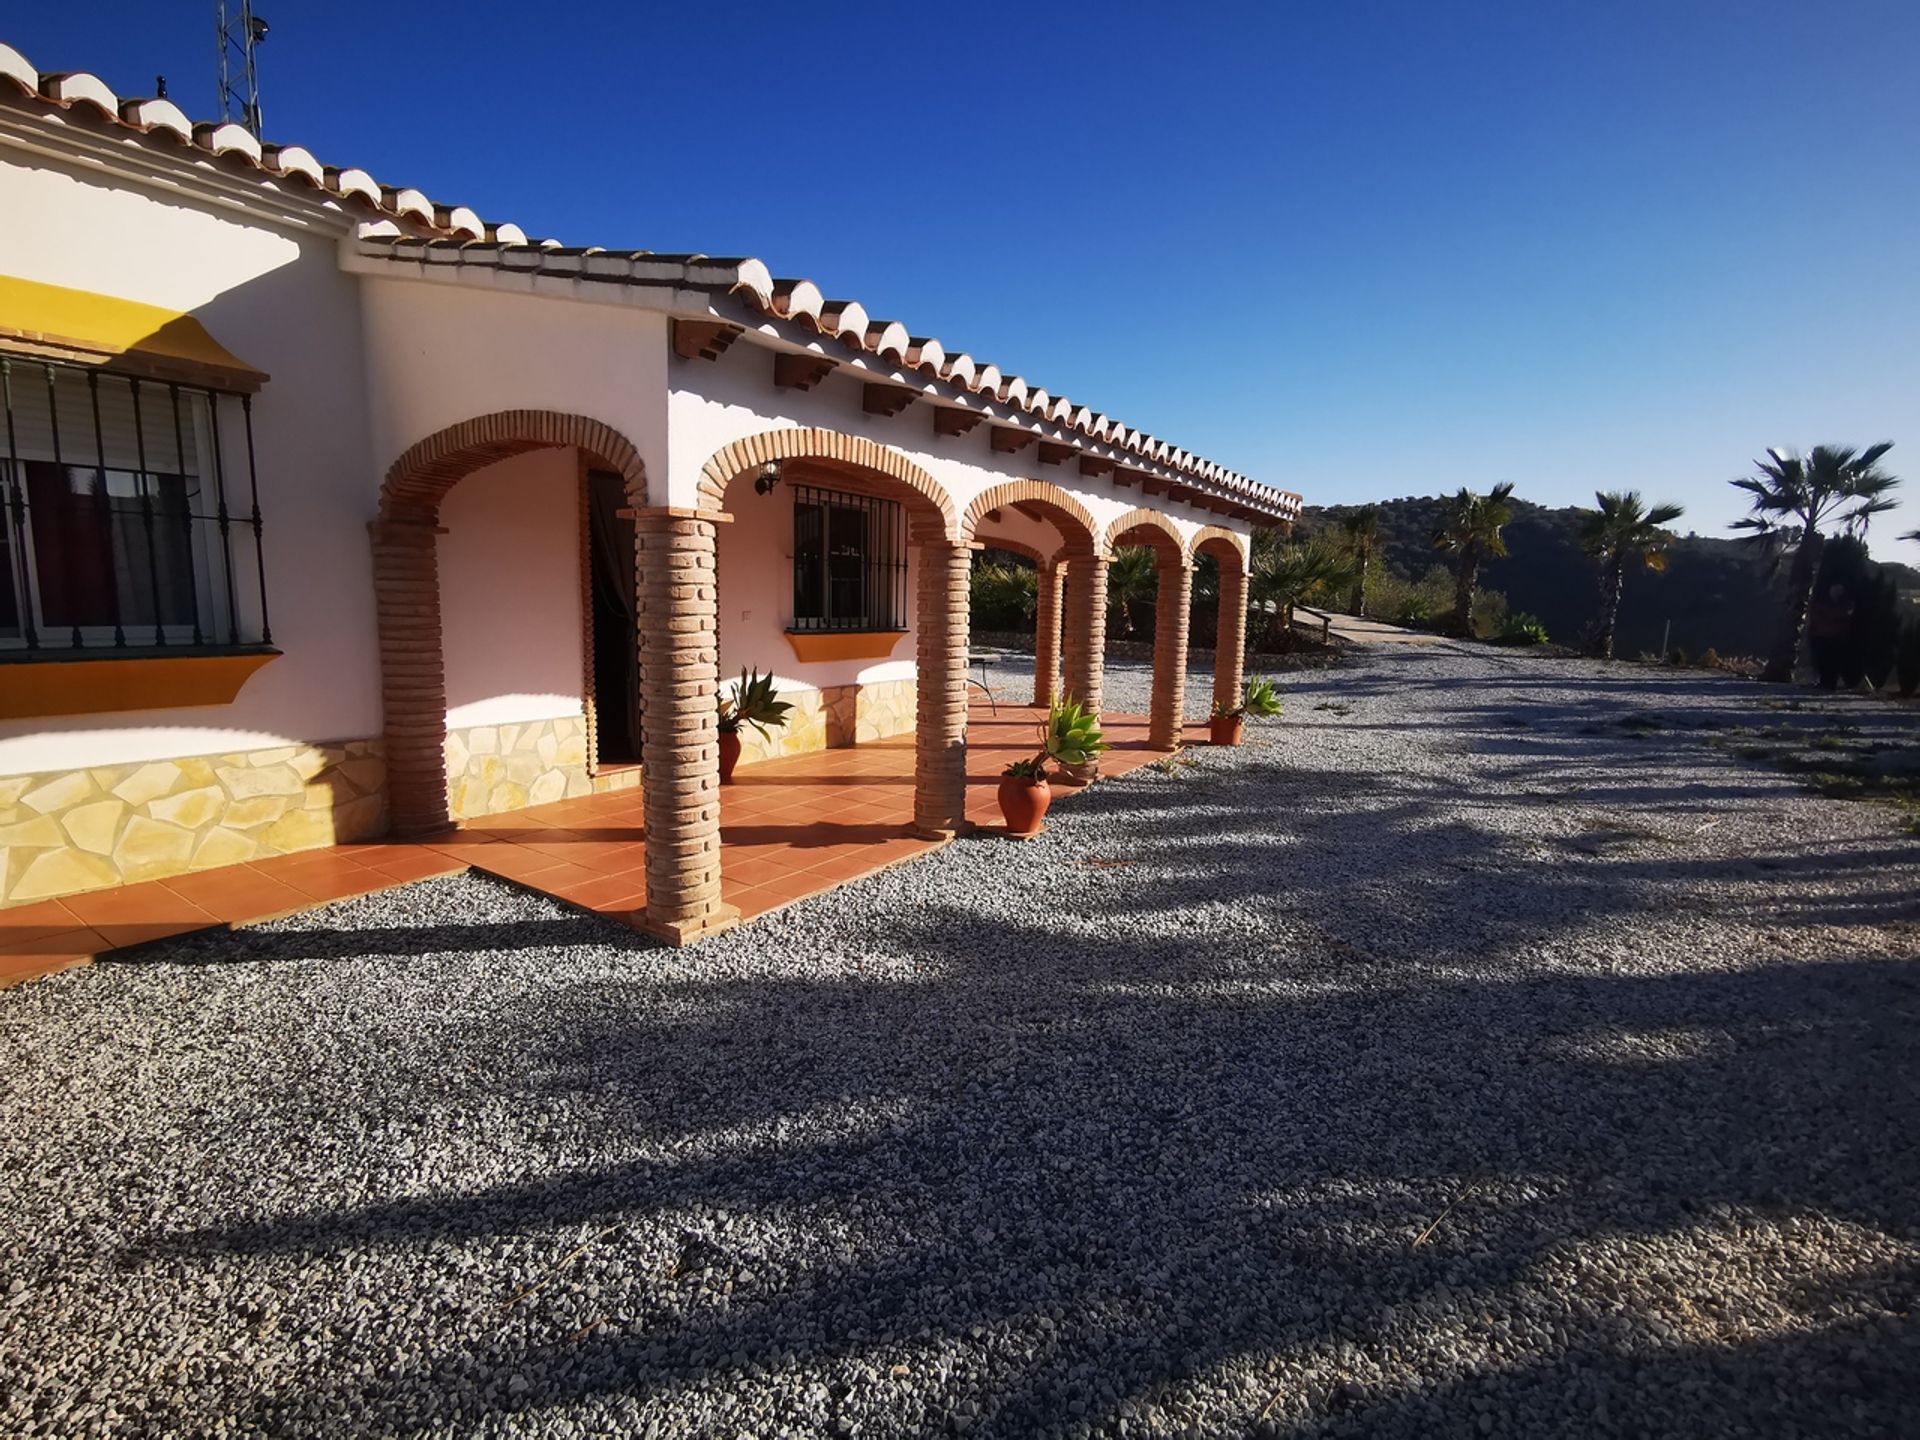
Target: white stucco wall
x: 439, y: 354
x: 510, y: 592
x: 755, y: 566
x: 712, y: 403
x: 273, y: 294
x: 1011, y: 524
x: 363, y: 367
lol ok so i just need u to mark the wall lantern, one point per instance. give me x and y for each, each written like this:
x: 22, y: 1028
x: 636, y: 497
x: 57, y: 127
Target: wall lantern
x: 767, y: 479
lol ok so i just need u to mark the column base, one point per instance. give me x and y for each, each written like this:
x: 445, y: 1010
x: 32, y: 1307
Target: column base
x: 678, y: 933
x: 941, y: 832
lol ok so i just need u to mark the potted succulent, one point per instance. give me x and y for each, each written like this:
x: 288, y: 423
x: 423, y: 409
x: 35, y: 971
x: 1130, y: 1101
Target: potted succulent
x: 1228, y: 724
x: 1071, y: 737
x: 753, y: 702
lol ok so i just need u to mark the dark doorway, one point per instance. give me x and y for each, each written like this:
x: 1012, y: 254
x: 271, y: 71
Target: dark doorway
x: 616, y: 662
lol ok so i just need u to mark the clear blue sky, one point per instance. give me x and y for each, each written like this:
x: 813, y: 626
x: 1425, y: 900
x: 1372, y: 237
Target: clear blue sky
x: 1358, y: 249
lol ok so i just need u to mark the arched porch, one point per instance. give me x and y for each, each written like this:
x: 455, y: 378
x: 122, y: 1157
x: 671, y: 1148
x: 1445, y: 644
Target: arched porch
x: 1229, y: 554
x: 407, y: 585
x: 722, y: 587
x: 1174, y: 572
x: 1060, y: 534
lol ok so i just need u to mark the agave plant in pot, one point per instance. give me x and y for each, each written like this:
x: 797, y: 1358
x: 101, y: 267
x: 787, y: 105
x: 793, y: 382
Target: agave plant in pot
x: 1071, y: 736
x: 753, y: 702
x: 1229, y: 722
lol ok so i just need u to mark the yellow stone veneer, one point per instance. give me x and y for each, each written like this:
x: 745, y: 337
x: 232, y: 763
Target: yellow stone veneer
x: 833, y: 716
x: 67, y: 832
x: 496, y: 768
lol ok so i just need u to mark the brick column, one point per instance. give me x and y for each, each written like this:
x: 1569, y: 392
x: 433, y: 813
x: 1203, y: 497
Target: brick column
x: 1085, y: 645
x: 413, y: 678
x: 1046, y: 635
x: 1085, y: 639
x: 1170, y: 653
x: 1230, y: 640
x: 678, y: 620
x: 940, y: 713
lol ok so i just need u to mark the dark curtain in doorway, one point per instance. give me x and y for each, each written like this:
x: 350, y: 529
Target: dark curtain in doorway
x: 616, y: 663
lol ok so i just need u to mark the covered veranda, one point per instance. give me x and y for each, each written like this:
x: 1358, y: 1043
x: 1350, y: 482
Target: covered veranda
x: 789, y: 829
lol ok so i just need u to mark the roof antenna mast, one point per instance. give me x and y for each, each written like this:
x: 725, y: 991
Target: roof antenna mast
x: 239, y: 31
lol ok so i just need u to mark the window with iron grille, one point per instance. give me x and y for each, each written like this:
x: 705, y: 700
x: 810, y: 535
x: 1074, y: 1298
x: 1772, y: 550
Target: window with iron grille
x: 849, y: 561
x: 120, y: 528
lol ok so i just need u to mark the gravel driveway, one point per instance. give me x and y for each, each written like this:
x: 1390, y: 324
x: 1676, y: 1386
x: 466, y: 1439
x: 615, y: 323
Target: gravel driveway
x: 1476, y: 1052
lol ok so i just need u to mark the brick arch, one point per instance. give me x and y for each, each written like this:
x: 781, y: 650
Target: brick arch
x: 809, y: 443
x: 1221, y: 544
x: 406, y: 579
x: 1166, y: 720
x: 1161, y: 533
x: 1078, y: 529
x: 1039, y: 557
x: 419, y: 480
x: 1230, y: 628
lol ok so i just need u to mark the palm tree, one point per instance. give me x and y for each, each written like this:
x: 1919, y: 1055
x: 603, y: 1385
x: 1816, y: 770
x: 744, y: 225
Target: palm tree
x: 1795, y: 499
x: 1470, y: 527
x: 1363, y: 534
x: 1620, y: 532
x: 1285, y: 574
x: 1133, y: 578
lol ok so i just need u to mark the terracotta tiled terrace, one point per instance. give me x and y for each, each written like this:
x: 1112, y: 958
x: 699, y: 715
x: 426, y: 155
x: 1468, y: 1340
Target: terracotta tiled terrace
x: 791, y: 828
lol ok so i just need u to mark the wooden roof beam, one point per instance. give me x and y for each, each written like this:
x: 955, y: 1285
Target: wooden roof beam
x: 703, y: 339
x: 800, y: 372
x: 887, y: 400
x: 949, y: 422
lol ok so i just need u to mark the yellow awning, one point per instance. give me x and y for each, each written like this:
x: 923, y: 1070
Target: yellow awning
x: 77, y: 325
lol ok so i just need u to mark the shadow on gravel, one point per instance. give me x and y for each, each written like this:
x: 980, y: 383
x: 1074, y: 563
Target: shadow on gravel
x: 1300, y: 1101
x: 252, y: 946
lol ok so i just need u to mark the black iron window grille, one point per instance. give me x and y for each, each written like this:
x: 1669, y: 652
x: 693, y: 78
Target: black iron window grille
x: 849, y: 561
x: 121, y: 528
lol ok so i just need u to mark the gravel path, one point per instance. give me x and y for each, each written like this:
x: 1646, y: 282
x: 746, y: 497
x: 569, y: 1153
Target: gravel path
x: 1476, y: 1052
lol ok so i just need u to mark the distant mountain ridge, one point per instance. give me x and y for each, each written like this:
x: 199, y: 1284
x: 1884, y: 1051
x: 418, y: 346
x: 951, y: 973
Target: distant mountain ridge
x: 1715, y: 589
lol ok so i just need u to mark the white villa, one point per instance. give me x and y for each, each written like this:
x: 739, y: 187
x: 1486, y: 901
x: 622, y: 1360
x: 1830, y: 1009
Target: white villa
x: 334, y: 512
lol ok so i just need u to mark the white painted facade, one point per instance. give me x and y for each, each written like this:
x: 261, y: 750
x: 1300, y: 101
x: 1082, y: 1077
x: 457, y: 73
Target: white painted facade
x: 372, y: 348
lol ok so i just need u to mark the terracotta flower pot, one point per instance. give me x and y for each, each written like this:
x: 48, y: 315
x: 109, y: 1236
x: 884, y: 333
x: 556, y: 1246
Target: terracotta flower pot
x: 729, y: 754
x: 1023, y: 802
x: 1226, y: 729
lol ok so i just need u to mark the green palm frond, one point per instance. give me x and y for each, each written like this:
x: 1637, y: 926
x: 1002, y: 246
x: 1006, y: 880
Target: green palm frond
x: 1831, y: 487
x: 1624, y: 528
x: 754, y: 702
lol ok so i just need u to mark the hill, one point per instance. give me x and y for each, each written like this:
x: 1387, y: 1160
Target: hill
x: 1715, y: 589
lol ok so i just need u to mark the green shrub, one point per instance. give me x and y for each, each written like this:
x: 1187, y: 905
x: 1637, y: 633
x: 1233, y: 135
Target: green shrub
x: 1490, y: 619
x: 1415, y: 609
x: 1906, y: 666
x: 754, y: 702
x: 1522, y: 629
x: 1002, y: 597
x: 1071, y: 736
x: 1259, y: 697
x: 1709, y: 659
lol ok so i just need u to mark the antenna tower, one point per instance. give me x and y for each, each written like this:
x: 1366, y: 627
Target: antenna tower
x: 239, y: 32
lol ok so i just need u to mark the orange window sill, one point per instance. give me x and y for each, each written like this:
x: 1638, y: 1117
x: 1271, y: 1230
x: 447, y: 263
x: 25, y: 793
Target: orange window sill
x: 83, y: 683
x: 813, y: 645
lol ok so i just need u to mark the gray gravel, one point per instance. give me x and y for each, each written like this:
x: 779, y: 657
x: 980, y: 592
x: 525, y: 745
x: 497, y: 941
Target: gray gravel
x: 1464, y: 1056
